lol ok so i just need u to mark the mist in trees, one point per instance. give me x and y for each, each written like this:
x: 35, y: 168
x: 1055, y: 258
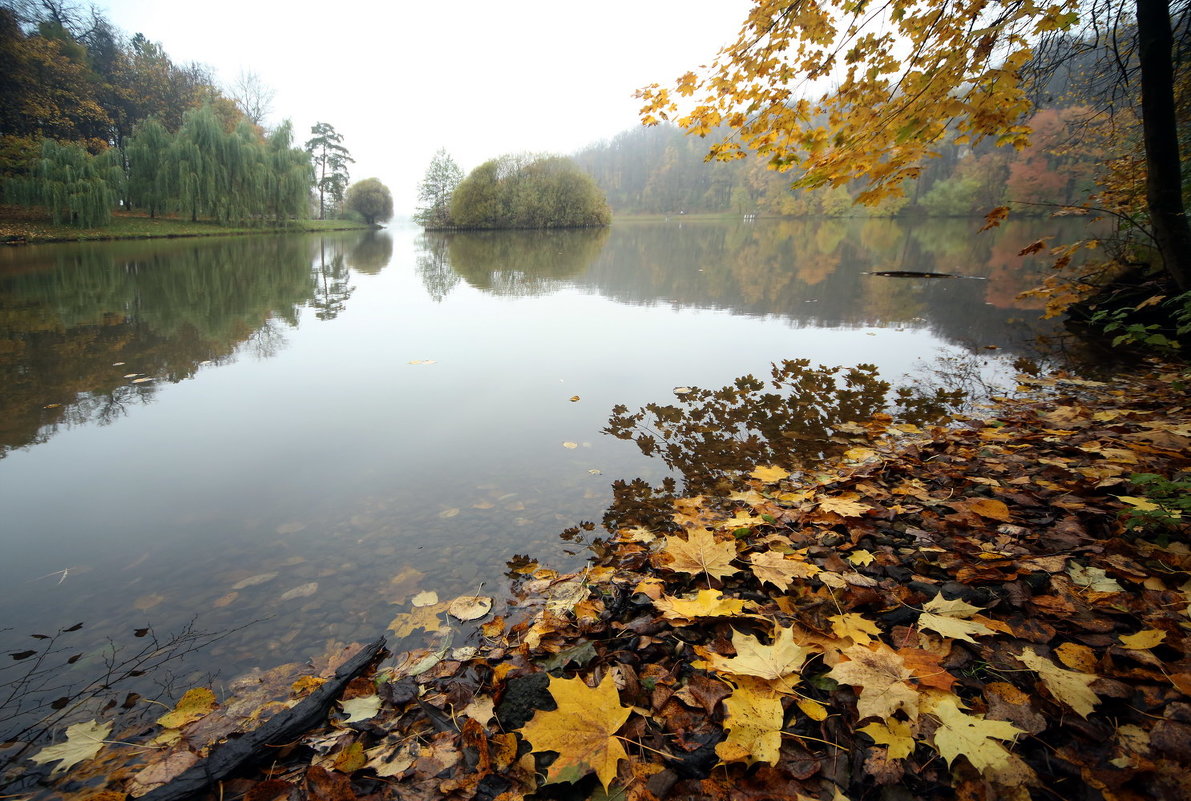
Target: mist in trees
x: 529, y: 192
x: 435, y: 191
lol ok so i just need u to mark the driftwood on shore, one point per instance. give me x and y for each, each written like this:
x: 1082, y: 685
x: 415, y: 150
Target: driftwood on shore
x: 233, y: 754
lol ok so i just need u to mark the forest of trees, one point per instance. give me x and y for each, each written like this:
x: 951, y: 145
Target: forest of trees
x: 93, y: 120
x: 662, y: 170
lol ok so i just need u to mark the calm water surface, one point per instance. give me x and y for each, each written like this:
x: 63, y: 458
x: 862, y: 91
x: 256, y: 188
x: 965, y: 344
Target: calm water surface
x: 288, y: 460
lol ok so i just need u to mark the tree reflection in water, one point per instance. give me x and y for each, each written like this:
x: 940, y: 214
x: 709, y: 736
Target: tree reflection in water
x: 795, y: 419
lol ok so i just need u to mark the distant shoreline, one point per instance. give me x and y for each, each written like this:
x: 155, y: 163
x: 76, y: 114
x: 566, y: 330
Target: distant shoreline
x: 20, y: 227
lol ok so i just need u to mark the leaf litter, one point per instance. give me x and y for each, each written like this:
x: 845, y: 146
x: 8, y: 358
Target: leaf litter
x: 961, y: 611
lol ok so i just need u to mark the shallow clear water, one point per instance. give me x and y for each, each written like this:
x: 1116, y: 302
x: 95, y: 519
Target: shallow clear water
x: 286, y: 434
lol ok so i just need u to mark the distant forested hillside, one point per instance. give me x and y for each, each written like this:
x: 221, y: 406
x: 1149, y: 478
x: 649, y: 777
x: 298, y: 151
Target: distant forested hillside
x: 660, y: 170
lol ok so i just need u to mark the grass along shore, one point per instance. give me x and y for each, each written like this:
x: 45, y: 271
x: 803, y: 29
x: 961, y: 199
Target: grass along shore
x: 31, y: 226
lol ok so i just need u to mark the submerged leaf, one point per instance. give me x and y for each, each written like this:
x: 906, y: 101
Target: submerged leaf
x: 83, y: 741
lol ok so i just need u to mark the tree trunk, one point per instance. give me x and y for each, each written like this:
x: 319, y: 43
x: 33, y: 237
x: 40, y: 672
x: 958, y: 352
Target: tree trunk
x: 1164, y: 186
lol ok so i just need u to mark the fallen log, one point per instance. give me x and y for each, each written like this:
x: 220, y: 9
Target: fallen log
x: 235, y: 753
x: 914, y: 274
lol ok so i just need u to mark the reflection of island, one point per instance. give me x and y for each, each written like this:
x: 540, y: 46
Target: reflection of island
x: 512, y: 262
x: 79, y: 326
x: 372, y: 253
x: 810, y: 272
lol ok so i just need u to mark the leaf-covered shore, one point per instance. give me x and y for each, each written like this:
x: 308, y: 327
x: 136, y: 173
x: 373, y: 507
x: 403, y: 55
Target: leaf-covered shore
x: 988, y: 609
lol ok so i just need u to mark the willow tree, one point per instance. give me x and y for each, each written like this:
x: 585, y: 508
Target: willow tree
x: 909, y: 76
x: 77, y: 187
x: 149, y: 179
x: 289, y: 172
x: 196, y: 160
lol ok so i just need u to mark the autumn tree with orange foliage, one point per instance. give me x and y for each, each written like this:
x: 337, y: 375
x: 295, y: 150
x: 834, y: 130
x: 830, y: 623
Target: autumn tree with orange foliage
x: 909, y: 76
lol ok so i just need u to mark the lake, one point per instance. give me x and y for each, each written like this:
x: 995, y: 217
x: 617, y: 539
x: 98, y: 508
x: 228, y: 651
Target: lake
x: 308, y: 430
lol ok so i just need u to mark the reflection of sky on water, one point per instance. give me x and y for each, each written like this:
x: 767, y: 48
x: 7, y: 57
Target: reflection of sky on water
x: 328, y: 457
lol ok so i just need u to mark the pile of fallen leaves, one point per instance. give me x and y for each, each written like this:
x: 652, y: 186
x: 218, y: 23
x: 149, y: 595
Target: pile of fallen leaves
x: 960, y: 612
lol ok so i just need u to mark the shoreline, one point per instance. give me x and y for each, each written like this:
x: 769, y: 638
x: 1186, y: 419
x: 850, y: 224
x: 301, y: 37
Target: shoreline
x: 28, y: 229
x: 956, y: 609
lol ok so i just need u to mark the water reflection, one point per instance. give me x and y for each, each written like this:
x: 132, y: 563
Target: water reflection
x: 372, y: 253
x: 808, y: 272
x: 524, y: 263
x: 327, y: 481
x: 793, y: 419
x: 80, y: 324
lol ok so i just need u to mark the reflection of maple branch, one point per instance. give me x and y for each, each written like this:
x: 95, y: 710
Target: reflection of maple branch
x: 32, y: 693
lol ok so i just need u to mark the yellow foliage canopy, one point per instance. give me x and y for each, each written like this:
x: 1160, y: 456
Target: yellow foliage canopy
x: 905, y: 73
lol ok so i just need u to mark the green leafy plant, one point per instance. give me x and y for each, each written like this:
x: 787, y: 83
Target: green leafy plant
x: 1153, y: 336
x: 1164, y: 504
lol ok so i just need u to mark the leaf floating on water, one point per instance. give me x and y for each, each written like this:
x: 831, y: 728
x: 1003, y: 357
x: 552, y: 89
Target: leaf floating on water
x: 141, y: 380
x: 131, y: 375
x: 198, y: 702
x: 683, y: 390
x: 570, y: 445
x: 118, y: 364
x: 83, y: 741
x: 425, y: 598
x: 52, y: 406
x: 469, y: 607
x: 593, y: 471
x: 446, y: 513
x: 423, y: 361
x: 575, y: 399
x: 303, y: 591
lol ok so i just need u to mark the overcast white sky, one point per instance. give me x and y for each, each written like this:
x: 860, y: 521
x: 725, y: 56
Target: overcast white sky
x: 401, y: 79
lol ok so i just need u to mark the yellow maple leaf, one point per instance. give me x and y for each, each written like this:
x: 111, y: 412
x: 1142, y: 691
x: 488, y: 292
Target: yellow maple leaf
x: 894, y: 734
x: 847, y: 505
x: 1072, y: 687
x: 83, y: 741
x: 881, y: 676
x: 777, y: 662
x: 948, y: 619
x: 582, y: 730
x: 860, y: 557
x: 770, y: 474
x: 700, y: 552
x: 705, y: 603
x: 855, y: 626
x: 198, y: 702
x: 778, y: 570
x: 753, y: 718
x: 972, y: 736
